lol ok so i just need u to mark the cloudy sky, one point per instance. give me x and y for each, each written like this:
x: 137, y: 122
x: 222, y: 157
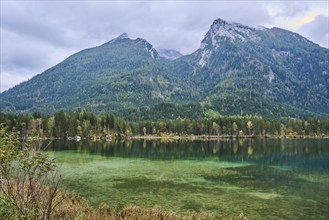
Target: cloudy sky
x: 35, y: 35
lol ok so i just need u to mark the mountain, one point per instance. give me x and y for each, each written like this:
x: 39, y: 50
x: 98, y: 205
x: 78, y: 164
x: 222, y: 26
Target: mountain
x: 237, y: 70
x: 269, y: 72
x: 169, y: 54
x: 122, y: 73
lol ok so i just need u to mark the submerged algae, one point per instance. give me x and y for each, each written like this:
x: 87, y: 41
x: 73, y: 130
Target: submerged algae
x: 213, y: 185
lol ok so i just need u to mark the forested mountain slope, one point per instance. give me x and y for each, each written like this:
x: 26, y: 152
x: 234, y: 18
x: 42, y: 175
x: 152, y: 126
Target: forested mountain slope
x: 268, y: 71
x: 119, y: 74
x: 237, y: 70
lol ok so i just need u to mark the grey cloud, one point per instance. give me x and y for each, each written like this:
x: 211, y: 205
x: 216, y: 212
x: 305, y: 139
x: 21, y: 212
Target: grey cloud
x: 32, y: 22
x: 293, y: 8
x: 317, y: 30
x: 82, y: 24
x: 24, y: 53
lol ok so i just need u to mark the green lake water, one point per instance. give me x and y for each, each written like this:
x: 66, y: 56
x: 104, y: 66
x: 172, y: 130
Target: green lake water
x: 263, y: 178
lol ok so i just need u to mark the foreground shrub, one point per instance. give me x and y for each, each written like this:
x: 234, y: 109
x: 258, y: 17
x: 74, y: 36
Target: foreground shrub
x: 29, y: 186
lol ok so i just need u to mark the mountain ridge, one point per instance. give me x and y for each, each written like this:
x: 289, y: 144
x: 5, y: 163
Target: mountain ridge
x: 237, y: 69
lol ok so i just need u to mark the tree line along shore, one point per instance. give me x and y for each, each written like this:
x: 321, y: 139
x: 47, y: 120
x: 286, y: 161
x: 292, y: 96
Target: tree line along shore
x: 88, y: 125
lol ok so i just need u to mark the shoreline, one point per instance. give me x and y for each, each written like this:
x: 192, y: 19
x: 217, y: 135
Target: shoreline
x: 177, y: 137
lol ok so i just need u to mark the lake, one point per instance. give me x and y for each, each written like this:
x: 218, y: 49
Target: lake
x: 263, y: 178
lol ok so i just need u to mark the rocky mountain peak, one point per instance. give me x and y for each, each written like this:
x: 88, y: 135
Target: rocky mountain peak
x: 219, y: 21
x: 153, y: 52
x: 221, y: 30
x: 119, y: 38
x: 123, y: 36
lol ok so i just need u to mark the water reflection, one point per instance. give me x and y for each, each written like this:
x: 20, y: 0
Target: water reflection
x: 310, y: 153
